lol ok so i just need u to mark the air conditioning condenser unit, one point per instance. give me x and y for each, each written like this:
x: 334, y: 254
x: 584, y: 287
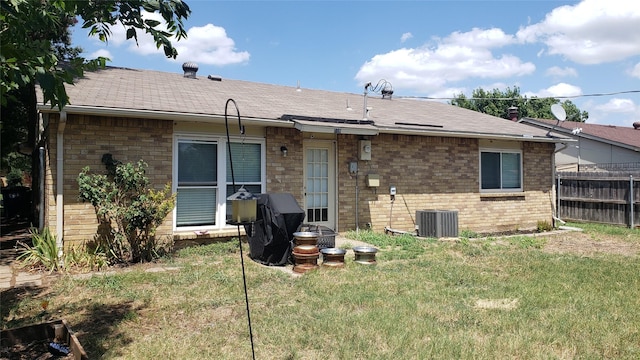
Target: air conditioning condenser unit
x: 437, y: 223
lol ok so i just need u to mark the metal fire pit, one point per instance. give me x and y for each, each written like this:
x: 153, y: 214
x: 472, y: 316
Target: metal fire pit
x: 365, y: 255
x: 333, y: 257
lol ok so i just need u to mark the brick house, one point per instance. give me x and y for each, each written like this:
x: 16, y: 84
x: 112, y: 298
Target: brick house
x: 339, y: 154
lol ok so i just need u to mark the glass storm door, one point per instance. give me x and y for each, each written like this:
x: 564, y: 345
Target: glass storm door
x: 319, y: 182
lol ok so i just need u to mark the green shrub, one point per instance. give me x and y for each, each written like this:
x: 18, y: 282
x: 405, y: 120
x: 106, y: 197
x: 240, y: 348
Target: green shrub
x: 43, y: 252
x: 128, y: 210
x: 14, y: 178
x: 19, y: 165
x: 544, y: 225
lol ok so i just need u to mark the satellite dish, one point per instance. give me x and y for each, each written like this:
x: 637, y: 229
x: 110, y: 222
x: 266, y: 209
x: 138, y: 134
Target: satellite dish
x: 558, y: 111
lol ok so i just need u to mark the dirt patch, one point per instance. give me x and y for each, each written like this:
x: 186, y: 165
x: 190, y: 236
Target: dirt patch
x: 580, y: 243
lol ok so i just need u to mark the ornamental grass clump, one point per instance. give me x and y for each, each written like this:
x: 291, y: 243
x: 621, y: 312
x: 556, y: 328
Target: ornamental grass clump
x: 128, y: 210
x: 43, y: 251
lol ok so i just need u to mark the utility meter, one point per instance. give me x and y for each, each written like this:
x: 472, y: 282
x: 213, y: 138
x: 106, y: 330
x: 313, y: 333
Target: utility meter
x: 392, y: 190
x: 365, y: 149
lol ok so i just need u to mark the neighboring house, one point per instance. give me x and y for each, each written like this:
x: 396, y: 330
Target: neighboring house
x: 596, y: 147
x: 337, y: 159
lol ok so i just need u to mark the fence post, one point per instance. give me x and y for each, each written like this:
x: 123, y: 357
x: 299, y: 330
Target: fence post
x: 558, y: 198
x: 631, y: 202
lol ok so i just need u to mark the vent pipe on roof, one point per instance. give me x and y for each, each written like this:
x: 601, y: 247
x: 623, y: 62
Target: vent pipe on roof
x: 636, y: 125
x: 190, y: 69
x: 512, y: 113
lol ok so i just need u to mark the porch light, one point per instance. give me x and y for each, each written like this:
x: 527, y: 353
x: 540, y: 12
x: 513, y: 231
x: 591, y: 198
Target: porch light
x: 284, y: 151
x: 244, y: 206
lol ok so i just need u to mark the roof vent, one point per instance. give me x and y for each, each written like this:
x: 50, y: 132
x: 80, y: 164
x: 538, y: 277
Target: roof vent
x: 636, y: 125
x: 190, y: 69
x: 214, y: 78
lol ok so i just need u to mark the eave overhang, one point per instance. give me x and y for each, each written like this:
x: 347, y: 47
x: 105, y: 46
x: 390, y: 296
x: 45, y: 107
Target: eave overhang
x: 335, y: 128
x: 161, y: 115
x: 301, y: 123
x: 474, y: 135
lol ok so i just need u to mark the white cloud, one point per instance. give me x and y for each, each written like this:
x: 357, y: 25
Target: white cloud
x: 479, y: 38
x: 558, y: 90
x: 617, y: 111
x: 455, y: 58
x: 635, y: 71
x: 590, y: 32
x: 101, y: 52
x: 618, y: 106
x: 448, y: 93
x: 207, y: 44
x: 210, y: 45
x: 557, y: 71
x: 406, y: 36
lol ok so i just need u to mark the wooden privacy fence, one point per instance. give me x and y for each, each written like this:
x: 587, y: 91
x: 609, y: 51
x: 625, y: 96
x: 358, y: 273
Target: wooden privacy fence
x: 602, y: 197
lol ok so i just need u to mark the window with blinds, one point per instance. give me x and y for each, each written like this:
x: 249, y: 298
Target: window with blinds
x: 203, y: 178
x: 247, y: 169
x: 197, y: 183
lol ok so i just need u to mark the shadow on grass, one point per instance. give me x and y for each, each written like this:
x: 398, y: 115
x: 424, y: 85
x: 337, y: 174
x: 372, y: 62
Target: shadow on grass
x: 11, y: 298
x: 98, y: 332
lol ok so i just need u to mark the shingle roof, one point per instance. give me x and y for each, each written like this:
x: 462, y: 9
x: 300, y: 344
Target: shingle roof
x: 621, y: 135
x: 135, y: 90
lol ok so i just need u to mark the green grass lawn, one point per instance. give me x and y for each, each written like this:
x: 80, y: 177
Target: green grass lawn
x: 425, y: 299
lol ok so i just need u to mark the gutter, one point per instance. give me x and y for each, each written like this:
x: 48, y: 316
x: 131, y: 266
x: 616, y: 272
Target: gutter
x: 160, y: 115
x: 60, y: 182
x: 475, y: 135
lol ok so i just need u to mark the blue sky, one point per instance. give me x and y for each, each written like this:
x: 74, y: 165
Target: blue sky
x: 423, y: 48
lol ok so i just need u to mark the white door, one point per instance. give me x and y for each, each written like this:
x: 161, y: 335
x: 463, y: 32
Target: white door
x: 320, y: 183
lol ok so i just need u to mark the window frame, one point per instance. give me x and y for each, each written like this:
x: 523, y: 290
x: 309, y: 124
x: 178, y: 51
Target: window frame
x: 501, y: 151
x: 221, y: 184
x: 248, y: 184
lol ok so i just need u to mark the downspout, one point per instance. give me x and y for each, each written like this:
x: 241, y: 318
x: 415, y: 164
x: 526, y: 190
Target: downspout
x: 60, y: 182
x: 557, y: 183
x: 40, y: 206
x: 41, y: 200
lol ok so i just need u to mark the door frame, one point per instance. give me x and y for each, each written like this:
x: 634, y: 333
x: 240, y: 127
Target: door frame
x: 332, y: 181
